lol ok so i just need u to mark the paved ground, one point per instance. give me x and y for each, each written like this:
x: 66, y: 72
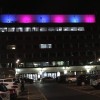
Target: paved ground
x: 86, y: 89
x: 31, y: 93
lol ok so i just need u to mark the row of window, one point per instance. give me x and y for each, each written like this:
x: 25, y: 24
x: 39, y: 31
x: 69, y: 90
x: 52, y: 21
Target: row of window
x: 50, y: 54
x: 53, y: 46
x: 42, y: 46
x: 50, y: 37
x: 44, y: 64
x: 40, y: 29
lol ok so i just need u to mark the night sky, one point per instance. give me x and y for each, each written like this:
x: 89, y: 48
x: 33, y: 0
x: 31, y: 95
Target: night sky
x: 50, y: 7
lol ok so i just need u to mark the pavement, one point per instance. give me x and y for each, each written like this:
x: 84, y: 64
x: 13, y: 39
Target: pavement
x: 31, y: 92
x: 86, y: 89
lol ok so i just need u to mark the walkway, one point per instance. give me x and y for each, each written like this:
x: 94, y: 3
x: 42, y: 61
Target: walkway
x: 31, y: 93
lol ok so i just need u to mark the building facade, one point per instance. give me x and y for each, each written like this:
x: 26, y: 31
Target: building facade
x: 53, y: 37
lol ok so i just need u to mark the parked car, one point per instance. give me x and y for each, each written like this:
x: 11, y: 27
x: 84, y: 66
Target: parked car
x: 95, y: 81
x: 71, y: 79
x: 4, y: 92
x: 83, y: 79
x: 28, y: 80
x: 61, y: 79
x: 47, y: 79
x: 12, y: 86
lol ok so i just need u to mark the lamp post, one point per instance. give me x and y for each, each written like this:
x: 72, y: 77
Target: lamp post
x: 95, y: 60
x: 95, y: 57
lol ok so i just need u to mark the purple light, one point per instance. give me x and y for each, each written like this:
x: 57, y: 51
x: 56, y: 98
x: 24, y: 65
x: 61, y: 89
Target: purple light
x: 89, y: 18
x: 25, y: 18
x: 58, y: 19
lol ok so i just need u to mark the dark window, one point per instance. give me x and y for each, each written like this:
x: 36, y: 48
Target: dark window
x: 28, y: 47
x: 52, y: 54
x: 35, y: 38
x: 74, y: 45
x: 51, y: 38
x: 82, y: 53
x: 81, y: 37
x: 43, y: 38
x: 59, y: 54
x: 28, y: 56
x: 11, y: 55
x: 28, y: 38
x: 19, y: 38
x: 19, y: 46
x: 66, y: 37
x: 75, y: 54
x: 36, y: 55
x: 59, y: 46
x: 11, y: 38
x: 44, y: 55
x: 67, y: 54
x: 3, y: 55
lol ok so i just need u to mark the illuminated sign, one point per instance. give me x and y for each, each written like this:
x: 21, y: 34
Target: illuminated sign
x: 29, y: 18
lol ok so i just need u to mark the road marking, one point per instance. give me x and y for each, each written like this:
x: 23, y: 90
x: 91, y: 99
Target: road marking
x: 42, y: 94
x: 28, y: 93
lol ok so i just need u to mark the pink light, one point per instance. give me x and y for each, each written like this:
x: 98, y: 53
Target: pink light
x: 25, y: 18
x: 89, y: 19
x: 58, y: 18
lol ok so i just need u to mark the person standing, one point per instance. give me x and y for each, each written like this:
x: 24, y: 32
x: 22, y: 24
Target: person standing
x: 22, y: 85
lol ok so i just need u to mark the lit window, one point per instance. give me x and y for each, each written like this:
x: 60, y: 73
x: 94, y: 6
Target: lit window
x: 43, y: 46
x: 35, y: 29
x: 66, y: 28
x: 60, y: 62
x: 51, y: 29
x: 11, y: 29
x: 59, y: 29
x: 4, y: 29
x: 19, y: 29
x: 27, y: 29
x: 73, y: 28
x: 81, y: 29
x: 43, y: 29
x: 12, y: 47
x: 45, y: 63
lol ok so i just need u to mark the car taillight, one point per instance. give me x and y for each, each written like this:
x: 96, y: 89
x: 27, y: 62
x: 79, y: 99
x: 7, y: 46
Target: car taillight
x: 12, y: 91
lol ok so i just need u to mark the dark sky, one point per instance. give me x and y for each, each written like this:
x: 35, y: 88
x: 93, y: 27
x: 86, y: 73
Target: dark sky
x: 49, y: 6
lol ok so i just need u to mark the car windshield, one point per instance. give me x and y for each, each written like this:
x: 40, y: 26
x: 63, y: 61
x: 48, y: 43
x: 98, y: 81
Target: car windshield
x: 3, y: 88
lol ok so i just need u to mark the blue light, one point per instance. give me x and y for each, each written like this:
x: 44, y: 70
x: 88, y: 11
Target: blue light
x: 75, y: 18
x: 43, y: 18
x: 8, y: 18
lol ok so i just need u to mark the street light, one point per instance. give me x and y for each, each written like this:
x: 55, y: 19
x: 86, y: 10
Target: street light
x: 17, y: 62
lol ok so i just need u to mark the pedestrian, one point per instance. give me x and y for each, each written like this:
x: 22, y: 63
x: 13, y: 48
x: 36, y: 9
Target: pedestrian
x: 22, y: 85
